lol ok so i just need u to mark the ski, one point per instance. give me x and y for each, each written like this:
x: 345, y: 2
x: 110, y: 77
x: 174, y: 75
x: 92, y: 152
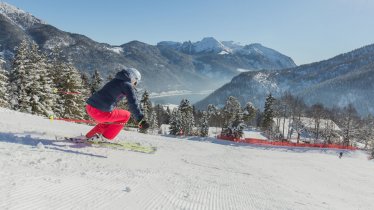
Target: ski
x: 129, y: 146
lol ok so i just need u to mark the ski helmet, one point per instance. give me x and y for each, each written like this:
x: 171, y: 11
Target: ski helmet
x: 134, y: 74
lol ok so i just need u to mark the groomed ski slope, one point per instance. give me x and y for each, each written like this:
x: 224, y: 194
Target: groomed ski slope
x: 38, y: 172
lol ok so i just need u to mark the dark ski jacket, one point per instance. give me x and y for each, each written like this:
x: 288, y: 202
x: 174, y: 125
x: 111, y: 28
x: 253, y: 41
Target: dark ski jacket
x: 106, y: 98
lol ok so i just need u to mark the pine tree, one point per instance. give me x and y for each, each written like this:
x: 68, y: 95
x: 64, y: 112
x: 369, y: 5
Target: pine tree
x: 167, y: 115
x: 86, y: 91
x: 19, y: 78
x: 73, y: 102
x: 233, y: 118
x: 204, y: 127
x: 96, y: 82
x: 31, y: 86
x: 231, y: 110
x: 238, y: 126
x: 110, y: 77
x: 4, y: 96
x: 85, y: 81
x: 153, y: 121
x: 187, y: 118
x: 43, y: 97
x: 249, y: 112
x: 58, y: 67
x: 159, y: 111
x: 146, y: 105
x: 175, y: 122
x: 214, y: 116
x: 267, y: 120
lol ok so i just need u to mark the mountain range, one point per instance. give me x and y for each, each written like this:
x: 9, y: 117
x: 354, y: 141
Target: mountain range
x: 167, y: 66
x: 248, y: 72
x: 343, y: 79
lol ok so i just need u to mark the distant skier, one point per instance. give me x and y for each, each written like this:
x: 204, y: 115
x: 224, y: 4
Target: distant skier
x: 101, y: 106
x: 340, y: 154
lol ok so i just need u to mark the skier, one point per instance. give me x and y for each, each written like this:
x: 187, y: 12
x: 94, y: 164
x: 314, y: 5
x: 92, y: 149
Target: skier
x: 340, y: 154
x: 101, y: 106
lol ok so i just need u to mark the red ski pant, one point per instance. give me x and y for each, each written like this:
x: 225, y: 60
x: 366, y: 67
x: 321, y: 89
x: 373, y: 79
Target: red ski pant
x: 117, y: 117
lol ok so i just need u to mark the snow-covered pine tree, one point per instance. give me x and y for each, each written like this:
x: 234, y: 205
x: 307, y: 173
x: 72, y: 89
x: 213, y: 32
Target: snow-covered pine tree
x: 31, y: 90
x: 249, y: 112
x: 214, y: 116
x: 231, y: 109
x: 4, y: 82
x: 96, y: 82
x: 42, y: 96
x: 57, y: 69
x: 74, y: 101
x: 238, y: 126
x: 19, y: 78
x: 85, y: 80
x: 233, y: 118
x: 167, y: 115
x: 153, y: 121
x: 175, y: 122
x: 159, y: 112
x: 204, y: 127
x: 187, y: 118
x: 267, y: 120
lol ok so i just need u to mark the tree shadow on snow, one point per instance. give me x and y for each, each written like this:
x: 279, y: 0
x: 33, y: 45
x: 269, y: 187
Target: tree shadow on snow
x: 26, y: 139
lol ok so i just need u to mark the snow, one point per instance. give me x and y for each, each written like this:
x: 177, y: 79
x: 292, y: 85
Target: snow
x: 184, y: 173
x: 254, y: 134
x: 264, y: 80
x: 210, y: 44
x: 117, y: 50
x: 59, y: 41
x: 243, y: 70
x: 171, y: 106
x: 223, y: 52
x: 19, y: 17
x: 234, y: 46
x: 270, y: 54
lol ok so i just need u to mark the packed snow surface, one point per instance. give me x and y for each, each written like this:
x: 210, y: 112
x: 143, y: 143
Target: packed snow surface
x: 39, y: 172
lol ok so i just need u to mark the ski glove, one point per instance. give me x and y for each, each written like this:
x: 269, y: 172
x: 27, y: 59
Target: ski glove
x: 143, y: 124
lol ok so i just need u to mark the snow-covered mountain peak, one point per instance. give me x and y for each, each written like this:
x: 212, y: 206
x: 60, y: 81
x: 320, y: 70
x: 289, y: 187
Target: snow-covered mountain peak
x: 233, y: 45
x: 210, y: 44
x: 273, y: 55
x: 207, y: 44
x: 19, y: 17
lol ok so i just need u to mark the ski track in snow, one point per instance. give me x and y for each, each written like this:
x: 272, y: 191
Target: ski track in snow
x: 184, y: 173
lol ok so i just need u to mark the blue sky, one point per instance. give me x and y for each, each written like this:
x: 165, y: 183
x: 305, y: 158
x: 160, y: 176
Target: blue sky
x: 307, y: 31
